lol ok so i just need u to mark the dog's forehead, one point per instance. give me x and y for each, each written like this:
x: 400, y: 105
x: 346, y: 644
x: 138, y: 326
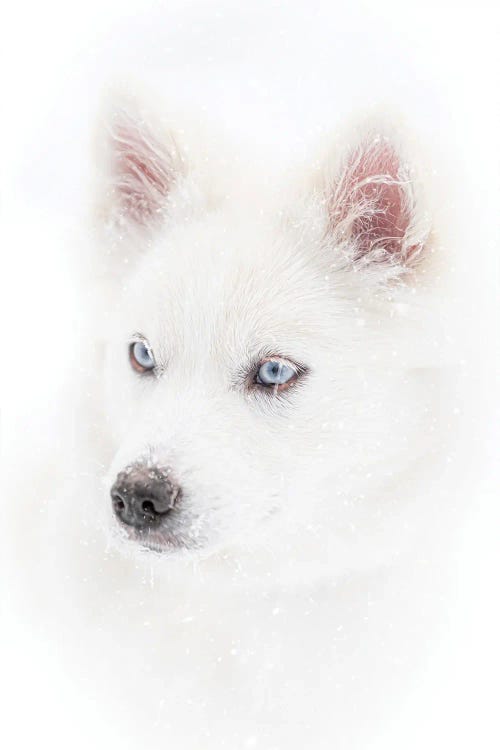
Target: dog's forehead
x: 243, y: 284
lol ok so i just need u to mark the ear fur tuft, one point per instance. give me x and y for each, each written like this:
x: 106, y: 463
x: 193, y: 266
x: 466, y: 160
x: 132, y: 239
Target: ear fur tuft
x: 372, y: 207
x: 142, y: 164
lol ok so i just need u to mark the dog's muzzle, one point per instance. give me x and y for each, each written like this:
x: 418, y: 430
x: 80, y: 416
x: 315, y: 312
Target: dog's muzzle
x: 143, y: 496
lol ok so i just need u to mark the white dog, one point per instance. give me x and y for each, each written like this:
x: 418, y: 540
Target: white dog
x: 241, y: 544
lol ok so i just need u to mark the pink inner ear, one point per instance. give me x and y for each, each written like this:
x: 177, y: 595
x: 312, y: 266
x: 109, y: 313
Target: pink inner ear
x: 143, y: 174
x: 371, y: 199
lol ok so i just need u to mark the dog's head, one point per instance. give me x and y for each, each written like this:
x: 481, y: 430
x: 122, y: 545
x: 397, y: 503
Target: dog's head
x: 262, y: 344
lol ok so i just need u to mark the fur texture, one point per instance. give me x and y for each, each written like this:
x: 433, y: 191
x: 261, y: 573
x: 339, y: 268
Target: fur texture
x: 271, y: 612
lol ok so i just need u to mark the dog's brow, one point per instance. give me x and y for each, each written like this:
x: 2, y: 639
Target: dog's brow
x: 137, y: 336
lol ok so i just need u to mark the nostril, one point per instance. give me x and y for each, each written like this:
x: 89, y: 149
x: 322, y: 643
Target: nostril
x: 155, y: 506
x: 118, y: 501
x: 148, y: 507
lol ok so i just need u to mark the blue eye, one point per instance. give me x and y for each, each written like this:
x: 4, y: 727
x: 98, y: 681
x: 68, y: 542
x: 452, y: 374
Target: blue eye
x: 274, y: 373
x: 141, y: 356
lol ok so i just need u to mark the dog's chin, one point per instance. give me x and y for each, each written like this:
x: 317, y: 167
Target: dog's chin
x: 160, y: 540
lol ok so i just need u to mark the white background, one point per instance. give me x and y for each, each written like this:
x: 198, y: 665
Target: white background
x: 282, y: 74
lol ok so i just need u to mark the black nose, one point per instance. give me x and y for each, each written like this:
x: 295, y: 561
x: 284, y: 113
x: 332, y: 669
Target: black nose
x: 142, y: 496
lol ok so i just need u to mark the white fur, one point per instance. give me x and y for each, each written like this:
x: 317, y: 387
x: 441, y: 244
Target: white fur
x: 287, y: 625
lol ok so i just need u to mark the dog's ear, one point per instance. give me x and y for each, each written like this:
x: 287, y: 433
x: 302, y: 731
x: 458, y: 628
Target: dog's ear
x: 140, y: 165
x: 373, y: 213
